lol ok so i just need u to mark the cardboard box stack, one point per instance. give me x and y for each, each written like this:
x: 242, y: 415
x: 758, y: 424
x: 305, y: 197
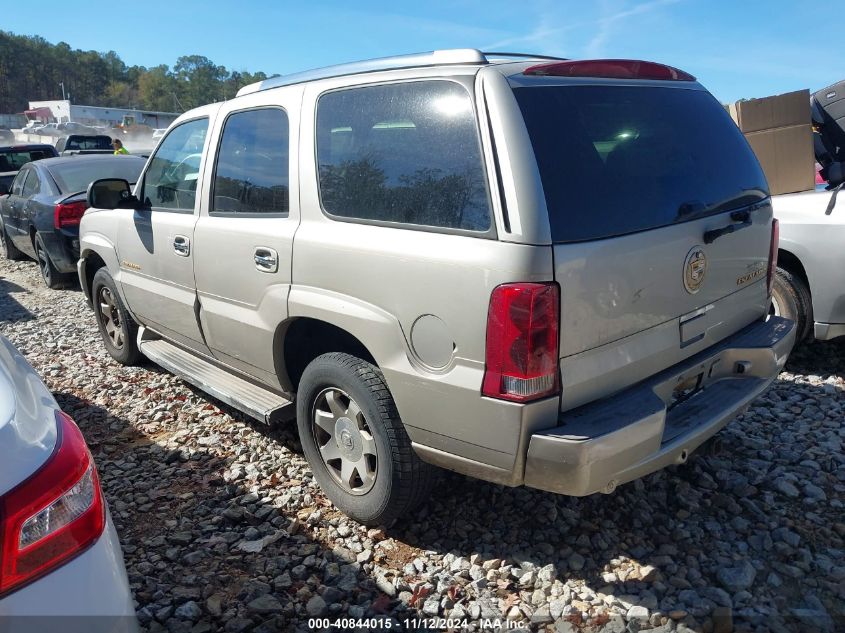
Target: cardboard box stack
x: 779, y: 131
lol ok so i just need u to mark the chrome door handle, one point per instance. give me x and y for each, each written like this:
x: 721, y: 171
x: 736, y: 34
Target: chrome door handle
x: 182, y: 245
x: 266, y: 259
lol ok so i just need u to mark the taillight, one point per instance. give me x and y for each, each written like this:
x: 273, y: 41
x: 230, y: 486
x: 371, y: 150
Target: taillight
x: 52, y: 516
x: 522, y: 342
x: 69, y: 214
x: 773, y: 256
x: 610, y: 68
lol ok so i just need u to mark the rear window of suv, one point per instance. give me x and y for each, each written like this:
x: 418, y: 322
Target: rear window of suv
x: 620, y: 159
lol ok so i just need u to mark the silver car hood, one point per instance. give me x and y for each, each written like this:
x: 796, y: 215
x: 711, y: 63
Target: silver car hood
x: 27, y: 419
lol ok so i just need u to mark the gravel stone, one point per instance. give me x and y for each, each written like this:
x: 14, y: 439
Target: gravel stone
x: 316, y: 607
x: 265, y: 604
x: 190, y: 610
x: 224, y: 529
x: 576, y: 562
x: 737, y: 578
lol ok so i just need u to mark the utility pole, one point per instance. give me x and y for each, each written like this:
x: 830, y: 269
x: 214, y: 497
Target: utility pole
x: 62, y: 84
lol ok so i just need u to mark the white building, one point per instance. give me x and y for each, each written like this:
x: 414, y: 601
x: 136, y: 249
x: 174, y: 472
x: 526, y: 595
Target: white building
x: 62, y: 110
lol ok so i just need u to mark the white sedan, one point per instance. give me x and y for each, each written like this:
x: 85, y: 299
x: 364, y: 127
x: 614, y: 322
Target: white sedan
x: 61, y: 566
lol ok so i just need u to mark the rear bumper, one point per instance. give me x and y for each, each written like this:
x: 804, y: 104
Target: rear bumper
x: 89, y: 594
x: 63, y: 249
x: 621, y: 438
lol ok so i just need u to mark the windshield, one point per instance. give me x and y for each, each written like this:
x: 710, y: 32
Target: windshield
x: 76, y: 176
x: 620, y: 159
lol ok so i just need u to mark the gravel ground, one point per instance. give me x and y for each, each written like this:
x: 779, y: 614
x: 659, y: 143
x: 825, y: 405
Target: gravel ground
x: 224, y: 529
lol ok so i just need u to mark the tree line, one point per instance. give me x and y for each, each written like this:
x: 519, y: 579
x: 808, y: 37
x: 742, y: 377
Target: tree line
x: 33, y: 69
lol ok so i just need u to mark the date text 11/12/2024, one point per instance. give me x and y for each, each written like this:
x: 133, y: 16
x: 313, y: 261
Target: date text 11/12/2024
x: 414, y: 624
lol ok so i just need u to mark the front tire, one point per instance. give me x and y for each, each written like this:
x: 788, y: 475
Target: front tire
x: 791, y: 299
x: 118, y: 329
x: 355, y: 442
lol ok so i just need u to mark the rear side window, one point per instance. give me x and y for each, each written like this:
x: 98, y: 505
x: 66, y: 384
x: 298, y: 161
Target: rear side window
x: 32, y: 185
x: 17, y: 185
x: 252, y: 174
x: 621, y: 159
x: 171, y: 179
x: 403, y: 153
x: 88, y: 142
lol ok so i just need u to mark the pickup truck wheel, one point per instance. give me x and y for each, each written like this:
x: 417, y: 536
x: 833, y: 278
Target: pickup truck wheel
x: 355, y: 441
x: 10, y: 251
x: 791, y: 299
x: 52, y: 277
x: 118, y: 330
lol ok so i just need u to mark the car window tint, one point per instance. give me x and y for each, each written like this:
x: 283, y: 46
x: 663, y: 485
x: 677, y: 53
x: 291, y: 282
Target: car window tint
x: 32, y: 185
x: 17, y: 185
x: 171, y: 178
x: 407, y: 153
x: 620, y: 159
x: 251, y: 174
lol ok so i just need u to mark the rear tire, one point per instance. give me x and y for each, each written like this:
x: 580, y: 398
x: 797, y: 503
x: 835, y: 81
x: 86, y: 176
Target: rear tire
x: 791, y: 299
x: 355, y: 442
x: 52, y: 277
x: 118, y: 329
x: 10, y: 251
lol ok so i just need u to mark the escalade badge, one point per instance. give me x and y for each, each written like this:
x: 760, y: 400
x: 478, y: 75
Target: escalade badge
x: 695, y: 268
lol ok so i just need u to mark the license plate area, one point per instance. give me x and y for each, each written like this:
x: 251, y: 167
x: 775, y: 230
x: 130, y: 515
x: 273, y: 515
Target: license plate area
x: 685, y: 388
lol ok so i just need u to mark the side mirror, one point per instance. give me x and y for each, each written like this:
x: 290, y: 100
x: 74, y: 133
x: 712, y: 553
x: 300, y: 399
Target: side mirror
x: 111, y: 193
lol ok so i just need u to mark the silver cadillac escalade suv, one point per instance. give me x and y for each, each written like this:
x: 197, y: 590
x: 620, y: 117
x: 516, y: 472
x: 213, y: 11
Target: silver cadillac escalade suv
x: 529, y: 270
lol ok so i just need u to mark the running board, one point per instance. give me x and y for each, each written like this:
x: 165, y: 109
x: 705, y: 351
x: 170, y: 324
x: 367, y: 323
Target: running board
x: 255, y: 401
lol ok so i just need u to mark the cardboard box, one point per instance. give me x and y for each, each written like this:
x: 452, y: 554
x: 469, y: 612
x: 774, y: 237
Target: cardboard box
x: 786, y: 155
x: 754, y: 115
x: 779, y: 130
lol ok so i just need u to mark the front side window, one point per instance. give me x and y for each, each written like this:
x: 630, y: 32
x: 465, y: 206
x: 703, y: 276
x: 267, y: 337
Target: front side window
x: 251, y: 175
x: 406, y: 153
x: 171, y: 179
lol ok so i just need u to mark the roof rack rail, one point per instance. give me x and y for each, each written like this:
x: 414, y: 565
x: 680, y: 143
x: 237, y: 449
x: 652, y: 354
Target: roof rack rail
x: 417, y: 60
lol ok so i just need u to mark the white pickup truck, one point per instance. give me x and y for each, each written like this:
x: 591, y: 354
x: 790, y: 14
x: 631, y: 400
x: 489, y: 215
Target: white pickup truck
x: 810, y: 282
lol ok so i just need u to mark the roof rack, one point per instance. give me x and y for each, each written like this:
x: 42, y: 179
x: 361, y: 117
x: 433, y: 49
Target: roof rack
x: 417, y: 60
x: 490, y: 55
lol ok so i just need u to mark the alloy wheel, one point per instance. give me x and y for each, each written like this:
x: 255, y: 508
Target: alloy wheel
x: 345, y: 441
x: 110, y: 317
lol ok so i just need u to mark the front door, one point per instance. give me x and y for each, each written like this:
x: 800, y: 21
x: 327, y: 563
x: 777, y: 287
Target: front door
x: 245, y: 232
x: 155, y: 242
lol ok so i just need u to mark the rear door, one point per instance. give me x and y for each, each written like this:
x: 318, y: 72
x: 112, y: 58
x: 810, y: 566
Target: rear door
x: 32, y: 187
x: 14, y: 206
x: 660, y: 221
x: 244, y: 237
x: 155, y: 243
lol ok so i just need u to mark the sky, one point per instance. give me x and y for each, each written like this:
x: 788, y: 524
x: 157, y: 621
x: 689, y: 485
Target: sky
x: 737, y: 49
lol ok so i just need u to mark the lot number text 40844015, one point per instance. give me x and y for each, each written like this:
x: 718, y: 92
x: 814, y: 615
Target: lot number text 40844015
x: 411, y: 624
